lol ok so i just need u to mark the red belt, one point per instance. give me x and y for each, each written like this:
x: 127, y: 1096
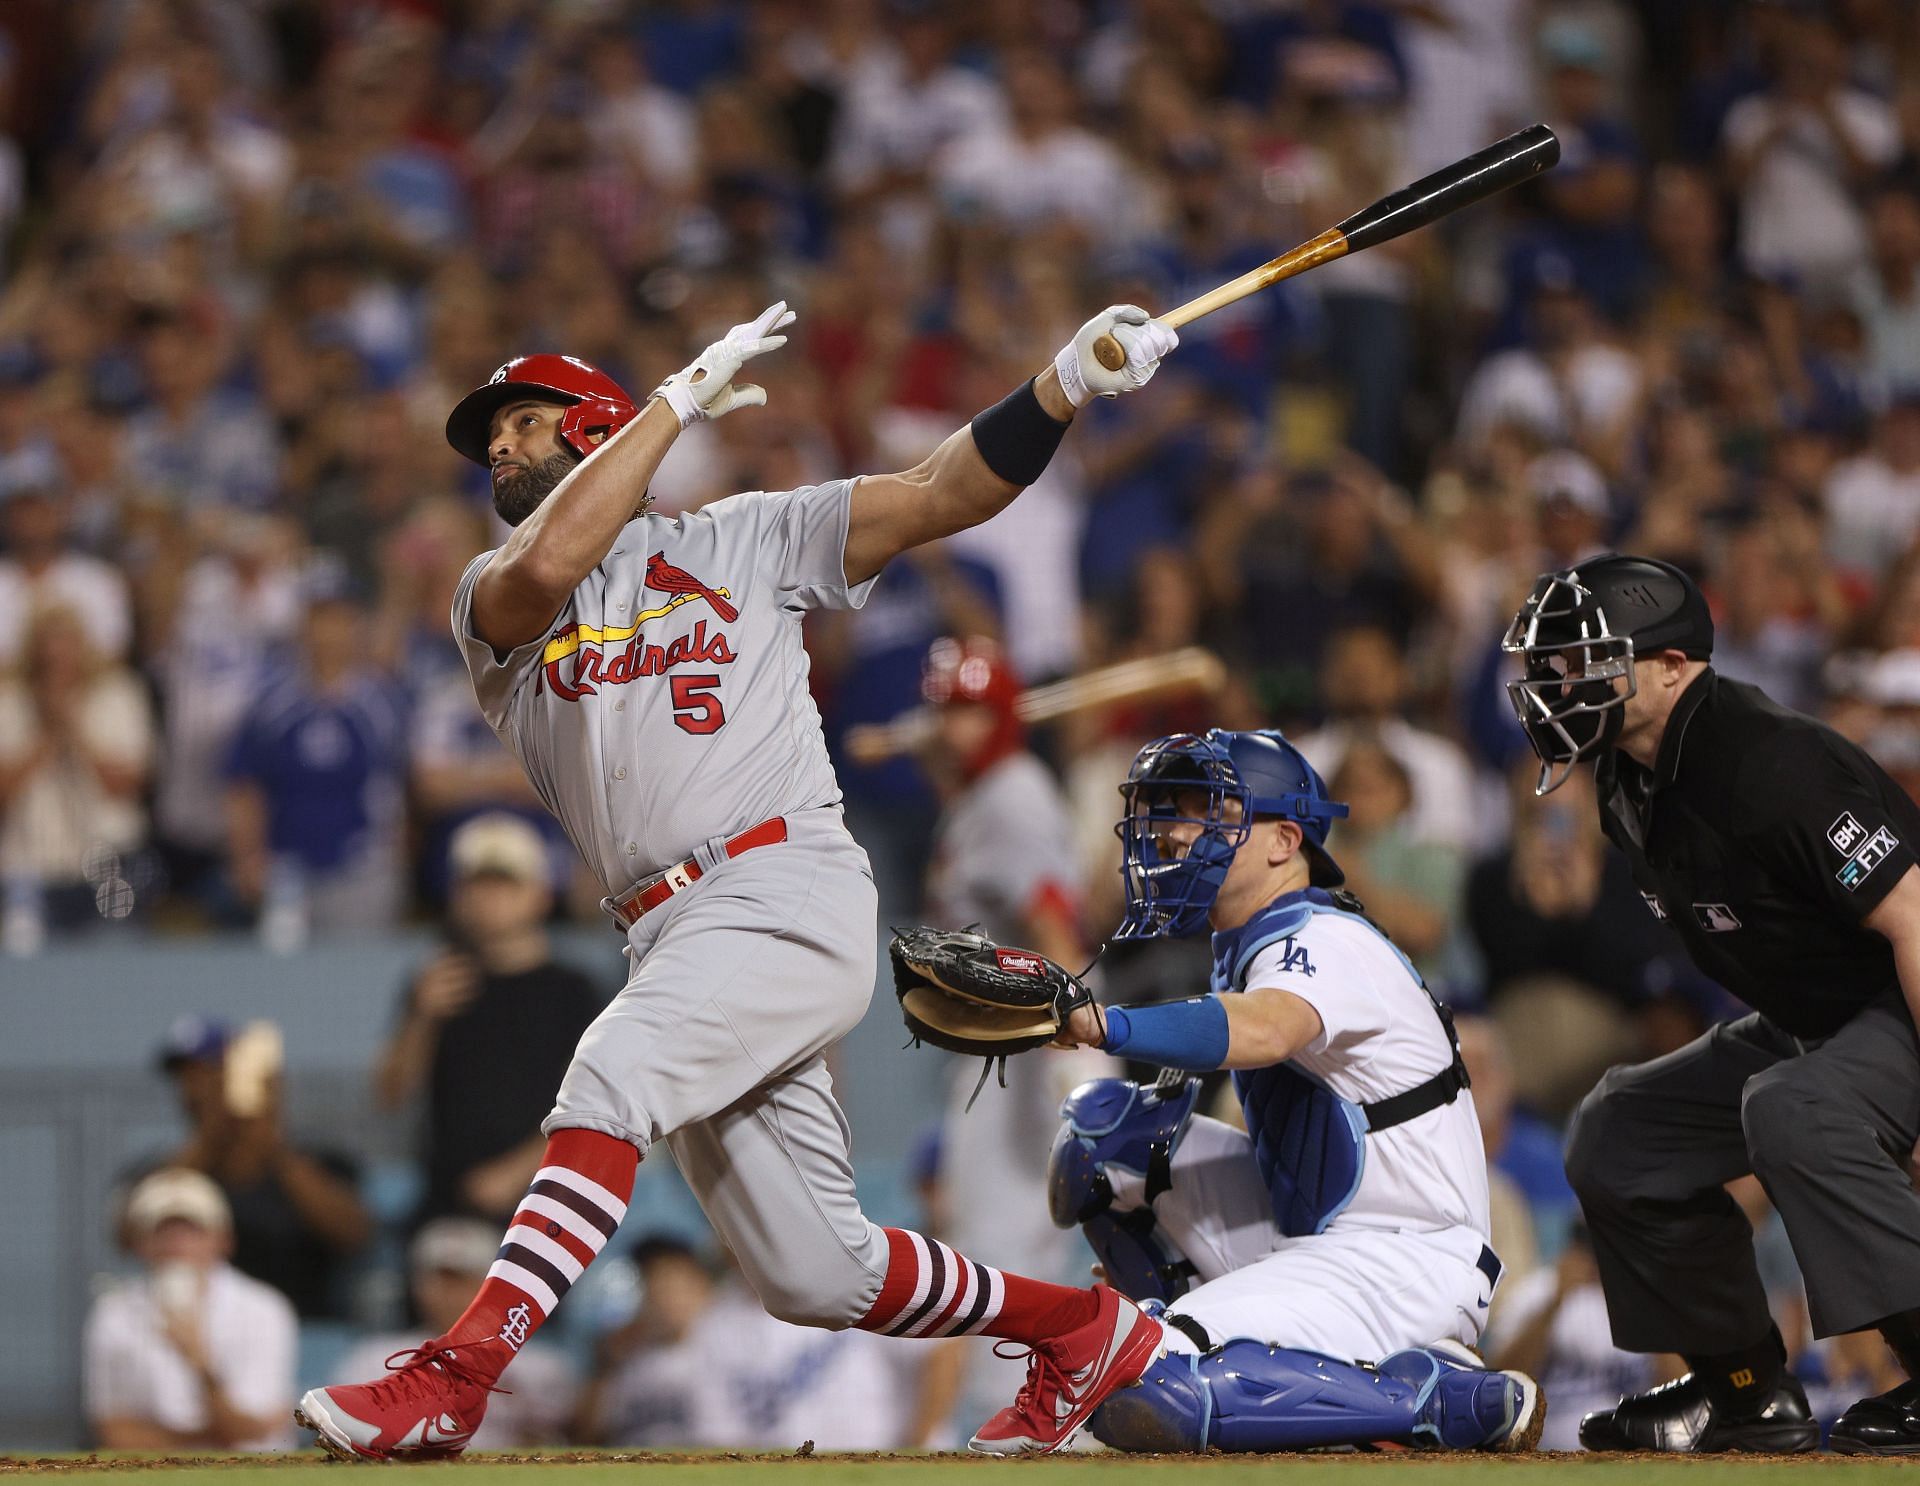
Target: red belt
x: 644, y: 897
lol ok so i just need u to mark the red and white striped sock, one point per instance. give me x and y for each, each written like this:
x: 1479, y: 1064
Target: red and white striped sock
x: 574, y: 1205
x: 934, y: 1290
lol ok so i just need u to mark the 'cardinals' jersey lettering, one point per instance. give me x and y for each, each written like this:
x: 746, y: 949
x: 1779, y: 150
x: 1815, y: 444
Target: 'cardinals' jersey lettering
x: 667, y: 702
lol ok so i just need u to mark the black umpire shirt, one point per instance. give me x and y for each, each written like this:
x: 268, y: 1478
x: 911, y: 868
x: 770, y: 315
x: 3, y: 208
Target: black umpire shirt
x: 1764, y: 838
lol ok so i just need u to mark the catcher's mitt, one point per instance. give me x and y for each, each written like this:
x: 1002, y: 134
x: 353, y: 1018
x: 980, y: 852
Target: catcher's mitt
x: 961, y: 991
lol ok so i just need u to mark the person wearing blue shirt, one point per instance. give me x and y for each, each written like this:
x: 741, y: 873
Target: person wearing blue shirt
x: 316, y: 781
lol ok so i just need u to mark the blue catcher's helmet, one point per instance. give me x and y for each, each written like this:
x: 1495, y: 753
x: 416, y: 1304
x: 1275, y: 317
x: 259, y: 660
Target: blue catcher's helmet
x: 1267, y: 775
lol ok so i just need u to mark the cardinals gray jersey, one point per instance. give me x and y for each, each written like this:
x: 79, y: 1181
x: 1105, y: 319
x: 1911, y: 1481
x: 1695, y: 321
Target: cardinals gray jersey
x: 668, y: 701
x: 1003, y: 845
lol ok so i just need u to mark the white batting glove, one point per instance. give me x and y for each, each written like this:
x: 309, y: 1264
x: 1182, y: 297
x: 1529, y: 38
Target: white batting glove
x: 704, y: 389
x: 1144, y: 339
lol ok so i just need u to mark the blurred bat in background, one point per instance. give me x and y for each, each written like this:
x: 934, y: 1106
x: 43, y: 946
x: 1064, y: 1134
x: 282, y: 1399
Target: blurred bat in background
x: 1175, y: 673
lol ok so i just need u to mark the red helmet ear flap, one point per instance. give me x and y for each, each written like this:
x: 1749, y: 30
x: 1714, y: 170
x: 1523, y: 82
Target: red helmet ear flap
x: 590, y: 422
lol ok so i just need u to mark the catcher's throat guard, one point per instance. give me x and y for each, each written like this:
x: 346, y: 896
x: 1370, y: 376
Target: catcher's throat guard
x: 1568, y: 700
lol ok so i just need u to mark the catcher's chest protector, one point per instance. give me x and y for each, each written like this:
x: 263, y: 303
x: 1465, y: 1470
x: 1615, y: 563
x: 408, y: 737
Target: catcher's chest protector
x: 1311, y: 1144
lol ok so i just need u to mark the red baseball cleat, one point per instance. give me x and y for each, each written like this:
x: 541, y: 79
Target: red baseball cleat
x: 427, y: 1408
x: 1070, y: 1376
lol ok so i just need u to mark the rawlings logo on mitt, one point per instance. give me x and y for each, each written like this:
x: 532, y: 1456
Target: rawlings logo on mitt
x: 961, y: 991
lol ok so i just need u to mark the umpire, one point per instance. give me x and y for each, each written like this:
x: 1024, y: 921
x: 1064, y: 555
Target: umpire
x: 1783, y: 856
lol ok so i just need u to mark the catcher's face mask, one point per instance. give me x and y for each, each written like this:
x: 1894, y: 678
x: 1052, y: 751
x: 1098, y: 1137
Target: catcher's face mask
x: 1568, y: 700
x: 1187, y: 813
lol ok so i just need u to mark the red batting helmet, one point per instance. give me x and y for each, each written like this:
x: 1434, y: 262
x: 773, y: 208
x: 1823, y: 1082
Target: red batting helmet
x: 976, y: 670
x: 597, y: 406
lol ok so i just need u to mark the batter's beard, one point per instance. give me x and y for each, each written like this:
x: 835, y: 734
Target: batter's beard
x: 519, y: 495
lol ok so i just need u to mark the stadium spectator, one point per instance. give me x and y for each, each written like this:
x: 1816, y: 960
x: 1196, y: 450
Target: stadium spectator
x: 76, y: 745
x: 1566, y: 944
x: 1886, y: 291
x: 1593, y: 196
x: 236, y: 609
x: 646, y: 1378
x: 1873, y: 499
x: 197, y: 443
x: 1531, y: 1198
x: 1365, y: 683
x: 316, y: 776
x: 1040, y: 168
x: 446, y: 1262
x: 487, y: 1027
x: 295, y: 1212
x: 192, y: 1355
x: 1411, y: 887
x: 1552, y: 1325
x: 1292, y: 567
x: 1573, y: 511
x: 1798, y: 150
x: 705, y: 1365
x: 41, y: 571
x: 1775, y: 605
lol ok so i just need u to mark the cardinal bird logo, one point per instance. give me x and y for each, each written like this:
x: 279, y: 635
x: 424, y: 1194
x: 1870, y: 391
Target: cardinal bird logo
x: 664, y: 576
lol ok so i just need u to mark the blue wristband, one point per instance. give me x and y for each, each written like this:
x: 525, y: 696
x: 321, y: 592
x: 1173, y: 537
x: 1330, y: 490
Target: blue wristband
x: 1191, y: 1035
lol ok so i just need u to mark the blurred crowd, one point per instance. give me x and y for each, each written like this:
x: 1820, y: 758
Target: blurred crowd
x: 254, y: 250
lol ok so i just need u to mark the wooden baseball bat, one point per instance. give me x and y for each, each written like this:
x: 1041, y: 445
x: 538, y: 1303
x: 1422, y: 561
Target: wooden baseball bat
x: 1190, y: 670
x: 1512, y: 160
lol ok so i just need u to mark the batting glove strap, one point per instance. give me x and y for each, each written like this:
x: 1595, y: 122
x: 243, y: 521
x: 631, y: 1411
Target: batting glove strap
x: 677, y: 393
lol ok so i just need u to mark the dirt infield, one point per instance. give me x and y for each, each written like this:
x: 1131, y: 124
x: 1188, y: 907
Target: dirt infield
x: 617, y: 1468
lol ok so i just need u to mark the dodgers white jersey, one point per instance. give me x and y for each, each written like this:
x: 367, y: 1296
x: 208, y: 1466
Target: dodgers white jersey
x: 1381, y: 1036
x: 668, y: 701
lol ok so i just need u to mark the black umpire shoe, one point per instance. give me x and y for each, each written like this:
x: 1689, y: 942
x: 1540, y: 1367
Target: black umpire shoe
x: 1678, y: 1416
x: 1888, y: 1424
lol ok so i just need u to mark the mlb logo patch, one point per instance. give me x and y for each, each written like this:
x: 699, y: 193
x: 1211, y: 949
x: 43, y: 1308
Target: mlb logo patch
x: 1716, y: 918
x: 1879, y: 846
x: 1846, y: 834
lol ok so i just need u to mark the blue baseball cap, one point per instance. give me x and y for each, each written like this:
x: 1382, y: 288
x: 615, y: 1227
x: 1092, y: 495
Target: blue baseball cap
x: 194, y: 1039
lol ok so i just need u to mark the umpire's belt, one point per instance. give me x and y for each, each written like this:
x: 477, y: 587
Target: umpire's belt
x: 649, y: 893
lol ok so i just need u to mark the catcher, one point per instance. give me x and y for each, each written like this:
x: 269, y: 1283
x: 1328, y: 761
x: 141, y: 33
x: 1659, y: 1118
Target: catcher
x: 1349, y: 1220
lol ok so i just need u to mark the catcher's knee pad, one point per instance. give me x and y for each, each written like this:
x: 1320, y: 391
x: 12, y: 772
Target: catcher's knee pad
x: 1116, y: 1124
x: 1247, y: 1396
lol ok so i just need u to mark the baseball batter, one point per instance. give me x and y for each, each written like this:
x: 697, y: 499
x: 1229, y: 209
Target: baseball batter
x: 648, y: 673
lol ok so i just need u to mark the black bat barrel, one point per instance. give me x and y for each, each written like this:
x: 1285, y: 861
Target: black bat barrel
x: 1500, y: 165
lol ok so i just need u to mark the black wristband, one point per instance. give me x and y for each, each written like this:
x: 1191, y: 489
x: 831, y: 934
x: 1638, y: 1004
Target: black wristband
x: 1016, y: 437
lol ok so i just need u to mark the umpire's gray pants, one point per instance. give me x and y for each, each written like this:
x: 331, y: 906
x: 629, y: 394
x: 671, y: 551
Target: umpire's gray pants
x: 1828, y: 1127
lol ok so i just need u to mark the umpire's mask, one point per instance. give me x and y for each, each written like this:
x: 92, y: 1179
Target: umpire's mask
x: 1577, y: 634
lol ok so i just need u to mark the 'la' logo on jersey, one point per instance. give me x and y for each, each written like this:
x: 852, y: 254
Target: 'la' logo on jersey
x: 1295, y: 957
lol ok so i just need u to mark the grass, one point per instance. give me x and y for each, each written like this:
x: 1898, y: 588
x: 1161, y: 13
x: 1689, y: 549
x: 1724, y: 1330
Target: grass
x: 1109, y: 1470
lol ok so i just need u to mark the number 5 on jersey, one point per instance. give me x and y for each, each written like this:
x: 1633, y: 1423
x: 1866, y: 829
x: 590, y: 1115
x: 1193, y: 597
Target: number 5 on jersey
x: 695, y: 707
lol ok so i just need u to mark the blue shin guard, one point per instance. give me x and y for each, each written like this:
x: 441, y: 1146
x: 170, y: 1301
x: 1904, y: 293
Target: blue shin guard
x: 1246, y: 1396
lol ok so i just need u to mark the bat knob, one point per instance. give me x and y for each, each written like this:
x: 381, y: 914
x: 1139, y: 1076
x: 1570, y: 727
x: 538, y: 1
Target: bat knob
x: 1109, y: 353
